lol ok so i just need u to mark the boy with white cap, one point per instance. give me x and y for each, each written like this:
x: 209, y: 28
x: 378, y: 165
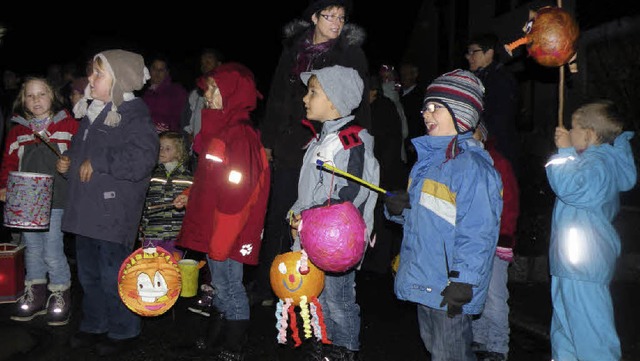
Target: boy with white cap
x: 108, y: 165
x: 333, y: 93
x: 451, y: 217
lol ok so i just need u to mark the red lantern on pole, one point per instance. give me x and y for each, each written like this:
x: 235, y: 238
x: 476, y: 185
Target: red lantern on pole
x: 551, y: 36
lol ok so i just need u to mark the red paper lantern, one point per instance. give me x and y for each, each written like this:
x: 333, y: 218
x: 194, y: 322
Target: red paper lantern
x: 551, y: 36
x: 334, y: 236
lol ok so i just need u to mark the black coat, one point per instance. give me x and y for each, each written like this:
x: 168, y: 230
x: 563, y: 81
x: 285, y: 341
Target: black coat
x: 281, y: 127
x: 387, y: 134
x: 501, y: 109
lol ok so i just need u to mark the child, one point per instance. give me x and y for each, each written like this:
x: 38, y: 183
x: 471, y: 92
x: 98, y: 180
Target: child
x: 228, y: 200
x: 333, y: 93
x: 491, y: 329
x: 108, y: 166
x: 451, y: 218
x: 161, y: 222
x: 593, y: 165
x: 38, y: 109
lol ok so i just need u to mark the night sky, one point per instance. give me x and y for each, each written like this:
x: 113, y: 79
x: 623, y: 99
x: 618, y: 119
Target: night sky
x: 245, y: 31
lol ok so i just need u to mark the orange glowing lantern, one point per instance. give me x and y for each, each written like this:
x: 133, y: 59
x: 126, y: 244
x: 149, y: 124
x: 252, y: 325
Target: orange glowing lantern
x: 297, y: 282
x: 551, y: 36
x: 149, y: 281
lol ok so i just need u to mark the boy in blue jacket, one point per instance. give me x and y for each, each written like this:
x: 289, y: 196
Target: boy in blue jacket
x: 451, y: 217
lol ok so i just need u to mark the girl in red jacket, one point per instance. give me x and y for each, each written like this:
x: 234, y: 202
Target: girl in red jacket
x: 227, y: 202
x: 38, y: 115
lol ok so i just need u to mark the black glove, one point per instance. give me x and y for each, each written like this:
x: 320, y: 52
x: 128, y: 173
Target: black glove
x: 456, y: 294
x: 396, y: 202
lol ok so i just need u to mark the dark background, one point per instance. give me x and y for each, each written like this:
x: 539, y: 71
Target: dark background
x: 245, y: 31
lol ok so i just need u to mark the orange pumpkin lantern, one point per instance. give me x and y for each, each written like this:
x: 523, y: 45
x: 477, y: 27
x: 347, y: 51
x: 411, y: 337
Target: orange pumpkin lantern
x: 298, y: 282
x: 289, y: 279
x: 149, y: 281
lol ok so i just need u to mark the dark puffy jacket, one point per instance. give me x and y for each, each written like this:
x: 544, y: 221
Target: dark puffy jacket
x: 282, y: 130
x: 109, y: 206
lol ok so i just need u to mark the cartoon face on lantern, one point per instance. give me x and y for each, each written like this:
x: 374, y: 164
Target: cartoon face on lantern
x: 290, y: 279
x: 149, y: 281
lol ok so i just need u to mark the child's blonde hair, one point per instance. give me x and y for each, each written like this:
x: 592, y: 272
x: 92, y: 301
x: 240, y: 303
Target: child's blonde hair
x: 602, y: 117
x: 19, y: 105
x: 179, y: 143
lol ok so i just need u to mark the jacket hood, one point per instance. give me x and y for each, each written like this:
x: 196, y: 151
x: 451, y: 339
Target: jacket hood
x: 351, y: 34
x: 56, y: 118
x: 627, y: 174
x: 237, y: 88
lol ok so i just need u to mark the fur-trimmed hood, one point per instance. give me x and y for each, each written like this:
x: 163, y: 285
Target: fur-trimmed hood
x: 351, y: 34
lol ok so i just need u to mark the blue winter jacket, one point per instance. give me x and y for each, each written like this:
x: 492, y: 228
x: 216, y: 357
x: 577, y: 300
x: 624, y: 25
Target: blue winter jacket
x: 109, y: 206
x: 452, y: 227
x: 584, y: 244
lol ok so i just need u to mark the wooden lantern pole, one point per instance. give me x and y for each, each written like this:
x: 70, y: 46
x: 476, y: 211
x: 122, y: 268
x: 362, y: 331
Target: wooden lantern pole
x: 561, y: 89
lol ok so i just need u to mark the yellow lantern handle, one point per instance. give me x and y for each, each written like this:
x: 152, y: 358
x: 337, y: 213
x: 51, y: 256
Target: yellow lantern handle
x: 331, y: 168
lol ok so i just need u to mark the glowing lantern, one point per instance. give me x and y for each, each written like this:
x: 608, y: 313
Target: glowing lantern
x: 550, y: 36
x: 334, y: 237
x: 149, y: 281
x: 297, y: 282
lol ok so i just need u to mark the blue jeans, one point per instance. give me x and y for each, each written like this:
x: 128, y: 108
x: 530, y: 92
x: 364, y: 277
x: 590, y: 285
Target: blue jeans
x: 44, y: 254
x: 102, y: 308
x: 231, y: 296
x: 492, y: 327
x: 447, y: 339
x: 340, y: 310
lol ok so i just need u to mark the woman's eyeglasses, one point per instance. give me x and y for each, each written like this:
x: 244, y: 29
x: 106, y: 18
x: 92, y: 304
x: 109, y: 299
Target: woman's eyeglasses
x: 470, y: 52
x: 333, y: 18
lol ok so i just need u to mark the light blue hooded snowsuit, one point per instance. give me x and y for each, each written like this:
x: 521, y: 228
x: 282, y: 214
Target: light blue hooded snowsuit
x: 584, y: 247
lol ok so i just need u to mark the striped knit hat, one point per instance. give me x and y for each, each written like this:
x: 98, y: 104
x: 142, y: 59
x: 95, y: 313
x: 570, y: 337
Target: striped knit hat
x: 461, y: 93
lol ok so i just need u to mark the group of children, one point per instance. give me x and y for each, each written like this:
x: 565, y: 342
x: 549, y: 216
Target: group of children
x: 114, y: 167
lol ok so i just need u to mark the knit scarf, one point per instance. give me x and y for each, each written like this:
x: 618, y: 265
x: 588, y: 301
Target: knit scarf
x: 309, y: 53
x: 38, y: 125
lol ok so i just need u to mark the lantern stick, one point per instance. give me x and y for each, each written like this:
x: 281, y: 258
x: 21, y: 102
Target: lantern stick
x: 159, y: 207
x: 561, y: 97
x: 561, y: 89
x: 47, y: 143
x: 331, y: 168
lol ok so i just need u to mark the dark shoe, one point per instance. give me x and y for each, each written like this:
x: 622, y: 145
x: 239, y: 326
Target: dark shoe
x: 32, y: 303
x: 204, y: 304
x: 85, y: 339
x: 192, y: 350
x: 111, y: 347
x: 338, y: 353
x: 235, y: 335
x: 312, y: 351
x: 59, y: 307
x: 204, y: 345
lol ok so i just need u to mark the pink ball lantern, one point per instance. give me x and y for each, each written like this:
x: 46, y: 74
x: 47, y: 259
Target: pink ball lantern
x: 333, y: 236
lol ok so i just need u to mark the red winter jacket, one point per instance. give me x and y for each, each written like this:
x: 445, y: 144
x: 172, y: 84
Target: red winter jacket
x: 510, y: 197
x: 24, y: 152
x: 228, y: 200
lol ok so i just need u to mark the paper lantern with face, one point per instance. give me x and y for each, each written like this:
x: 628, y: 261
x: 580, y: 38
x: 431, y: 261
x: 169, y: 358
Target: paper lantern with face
x: 297, y: 282
x: 149, y: 281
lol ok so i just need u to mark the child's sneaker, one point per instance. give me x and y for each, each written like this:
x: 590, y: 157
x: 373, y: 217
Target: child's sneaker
x: 204, y: 304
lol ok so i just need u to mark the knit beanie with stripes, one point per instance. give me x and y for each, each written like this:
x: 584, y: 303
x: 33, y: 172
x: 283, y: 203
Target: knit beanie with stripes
x: 462, y: 94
